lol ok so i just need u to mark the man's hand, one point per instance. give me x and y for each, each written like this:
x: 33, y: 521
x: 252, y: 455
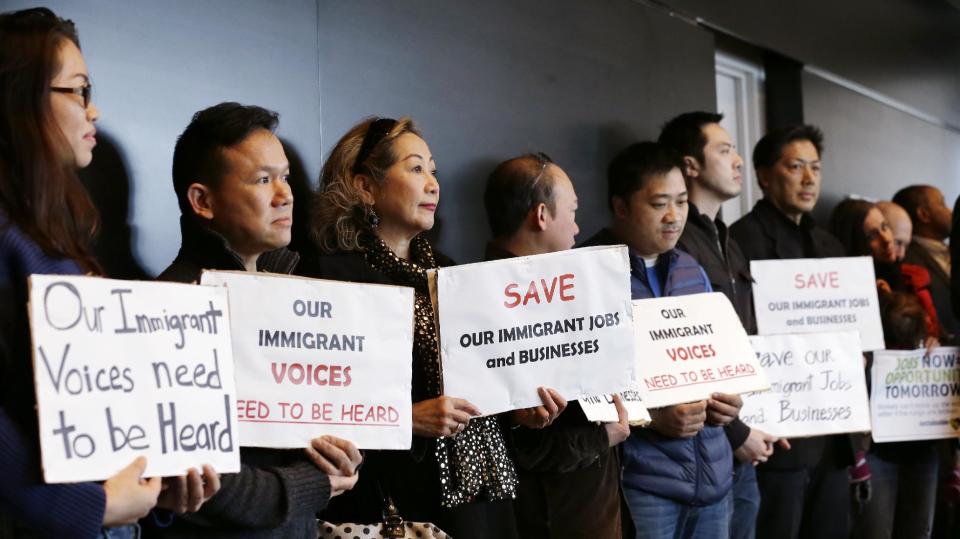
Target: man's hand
x: 186, y: 493
x: 339, y: 459
x: 539, y: 417
x: 723, y: 408
x: 619, y: 431
x: 679, y: 421
x: 756, y: 448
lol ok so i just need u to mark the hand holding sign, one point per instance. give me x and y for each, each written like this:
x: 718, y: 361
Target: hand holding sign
x: 723, y: 408
x: 186, y: 493
x: 541, y: 416
x: 619, y: 431
x: 679, y: 420
x: 129, y: 496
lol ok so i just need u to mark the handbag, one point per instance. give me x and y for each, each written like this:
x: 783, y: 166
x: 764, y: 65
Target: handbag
x: 392, y: 527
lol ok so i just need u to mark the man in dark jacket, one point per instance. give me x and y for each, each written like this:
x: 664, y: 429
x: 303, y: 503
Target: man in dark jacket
x: 804, y: 492
x: 677, y: 472
x: 711, y: 168
x: 932, y: 221
x: 230, y: 175
x: 531, y: 206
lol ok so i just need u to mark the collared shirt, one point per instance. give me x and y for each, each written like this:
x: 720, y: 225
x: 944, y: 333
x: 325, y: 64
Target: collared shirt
x: 938, y: 250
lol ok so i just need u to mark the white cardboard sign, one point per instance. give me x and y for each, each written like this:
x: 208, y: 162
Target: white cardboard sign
x: 560, y: 320
x: 817, y: 295
x: 817, y: 385
x: 128, y: 368
x: 602, y: 409
x: 320, y: 357
x: 689, y: 347
x: 915, y: 396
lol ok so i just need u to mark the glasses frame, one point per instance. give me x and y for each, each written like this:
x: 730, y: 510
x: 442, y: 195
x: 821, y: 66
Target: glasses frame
x: 85, y: 92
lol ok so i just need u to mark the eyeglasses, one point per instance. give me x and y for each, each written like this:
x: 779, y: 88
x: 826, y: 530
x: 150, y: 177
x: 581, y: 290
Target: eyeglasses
x: 377, y: 131
x: 85, y: 91
x: 544, y: 161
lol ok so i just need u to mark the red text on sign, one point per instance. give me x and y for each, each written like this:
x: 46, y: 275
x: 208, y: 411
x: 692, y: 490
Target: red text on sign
x: 561, y: 286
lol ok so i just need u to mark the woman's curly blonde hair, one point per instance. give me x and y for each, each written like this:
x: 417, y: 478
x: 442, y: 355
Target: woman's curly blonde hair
x: 338, y: 213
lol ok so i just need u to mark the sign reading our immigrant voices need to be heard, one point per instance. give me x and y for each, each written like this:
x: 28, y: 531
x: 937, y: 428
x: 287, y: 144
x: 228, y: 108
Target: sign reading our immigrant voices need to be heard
x: 810, y: 295
x: 689, y: 347
x: 128, y: 368
x: 560, y: 320
x: 320, y: 357
x: 817, y: 385
x: 915, y: 395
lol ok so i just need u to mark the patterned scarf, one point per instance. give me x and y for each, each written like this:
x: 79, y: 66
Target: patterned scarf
x: 474, y: 464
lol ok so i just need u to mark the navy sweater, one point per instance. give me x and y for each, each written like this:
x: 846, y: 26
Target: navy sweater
x: 62, y: 510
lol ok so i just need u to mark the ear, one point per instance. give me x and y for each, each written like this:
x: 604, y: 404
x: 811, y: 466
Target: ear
x: 691, y: 168
x: 620, y: 209
x: 923, y: 214
x: 763, y: 177
x: 200, y: 199
x: 365, y: 186
x: 539, y: 216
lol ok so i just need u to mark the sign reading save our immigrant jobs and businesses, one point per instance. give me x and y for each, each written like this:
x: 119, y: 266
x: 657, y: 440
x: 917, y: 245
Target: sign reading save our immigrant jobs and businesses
x: 320, y: 357
x: 560, y: 320
x: 915, y: 395
x: 127, y: 368
x: 689, y: 347
x: 809, y: 295
x: 817, y: 385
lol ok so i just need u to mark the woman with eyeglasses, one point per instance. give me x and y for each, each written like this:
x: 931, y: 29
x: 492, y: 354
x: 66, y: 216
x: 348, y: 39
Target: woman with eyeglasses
x: 378, y: 196
x: 902, y: 475
x: 47, y: 133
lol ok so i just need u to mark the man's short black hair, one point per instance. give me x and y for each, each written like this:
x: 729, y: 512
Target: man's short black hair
x: 634, y: 165
x: 770, y: 148
x: 912, y: 198
x: 684, y: 133
x: 197, y: 156
x: 514, y: 188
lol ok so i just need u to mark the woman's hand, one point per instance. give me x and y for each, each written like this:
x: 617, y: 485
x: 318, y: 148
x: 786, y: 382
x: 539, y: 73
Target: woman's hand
x: 539, y: 417
x: 442, y: 416
x: 186, y: 493
x: 129, y: 496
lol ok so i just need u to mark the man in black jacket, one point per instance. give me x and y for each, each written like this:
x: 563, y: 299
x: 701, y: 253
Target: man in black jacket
x: 804, y: 491
x: 230, y: 175
x: 932, y: 221
x: 569, y: 471
x: 711, y: 168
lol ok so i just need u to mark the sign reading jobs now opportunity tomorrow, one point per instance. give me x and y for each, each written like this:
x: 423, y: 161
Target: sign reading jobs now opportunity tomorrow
x: 320, y: 357
x: 560, y: 320
x: 817, y: 385
x: 128, y: 368
x: 689, y: 347
x: 915, y: 395
x: 809, y: 295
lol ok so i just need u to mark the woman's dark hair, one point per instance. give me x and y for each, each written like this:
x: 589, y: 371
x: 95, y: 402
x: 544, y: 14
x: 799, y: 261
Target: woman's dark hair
x: 39, y: 189
x: 846, y: 224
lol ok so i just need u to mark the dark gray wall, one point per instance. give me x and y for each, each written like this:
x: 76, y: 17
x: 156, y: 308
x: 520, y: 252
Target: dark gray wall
x: 485, y: 80
x: 489, y: 80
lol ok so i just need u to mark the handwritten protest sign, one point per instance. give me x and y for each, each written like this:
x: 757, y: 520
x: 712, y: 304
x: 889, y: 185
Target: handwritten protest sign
x: 810, y: 295
x: 320, y: 357
x: 126, y: 368
x: 817, y: 385
x: 601, y: 408
x: 915, y: 396
x: 560, y: 320
x: 689, y: 347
